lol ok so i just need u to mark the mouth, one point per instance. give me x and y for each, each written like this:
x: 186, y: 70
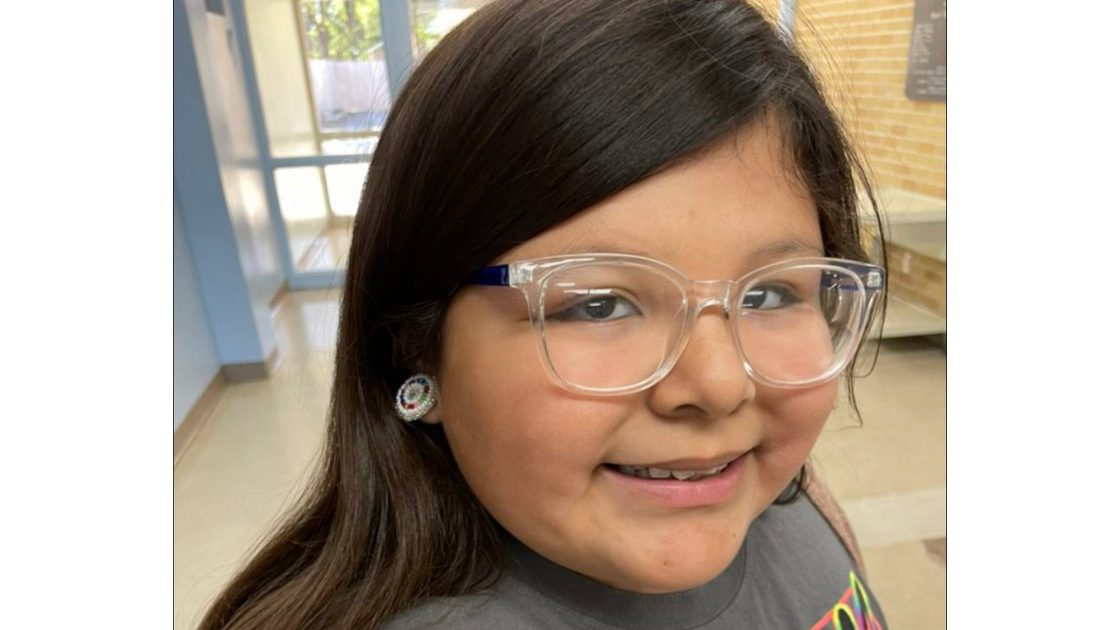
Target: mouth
x: 652, y: 472
x: 688, y: 469
x: 681, y: 483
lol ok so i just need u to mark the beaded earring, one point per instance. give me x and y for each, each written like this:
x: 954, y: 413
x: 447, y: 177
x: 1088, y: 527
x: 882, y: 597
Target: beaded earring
x: 416, y: 397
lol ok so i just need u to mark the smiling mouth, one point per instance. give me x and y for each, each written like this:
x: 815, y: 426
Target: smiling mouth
x: 643, y: 472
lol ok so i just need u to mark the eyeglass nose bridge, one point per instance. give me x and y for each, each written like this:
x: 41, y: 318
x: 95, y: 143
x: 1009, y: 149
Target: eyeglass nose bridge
x: 707, y: 293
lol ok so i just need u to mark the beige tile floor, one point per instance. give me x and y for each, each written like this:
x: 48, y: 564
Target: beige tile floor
x: 252, y: 456
x: 328, y: 251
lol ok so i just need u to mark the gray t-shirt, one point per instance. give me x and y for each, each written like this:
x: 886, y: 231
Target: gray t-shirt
x: 792, y: 572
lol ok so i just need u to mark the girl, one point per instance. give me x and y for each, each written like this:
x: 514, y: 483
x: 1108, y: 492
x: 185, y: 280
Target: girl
x: 605, y: 275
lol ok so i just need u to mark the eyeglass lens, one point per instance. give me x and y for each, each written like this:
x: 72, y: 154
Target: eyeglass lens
x: 615, y: 325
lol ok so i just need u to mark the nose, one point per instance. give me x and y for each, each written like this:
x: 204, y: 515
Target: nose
x: 708, y: 379
x: 708, y: 293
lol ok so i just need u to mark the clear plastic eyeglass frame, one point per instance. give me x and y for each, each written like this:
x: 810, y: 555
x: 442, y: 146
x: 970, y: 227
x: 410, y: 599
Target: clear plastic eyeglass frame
x: 530, y: 276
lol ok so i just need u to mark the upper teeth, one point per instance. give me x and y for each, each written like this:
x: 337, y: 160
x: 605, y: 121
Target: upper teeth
x: 662, y: 473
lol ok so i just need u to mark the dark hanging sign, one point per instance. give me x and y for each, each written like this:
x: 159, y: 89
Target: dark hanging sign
x: 925, y: 78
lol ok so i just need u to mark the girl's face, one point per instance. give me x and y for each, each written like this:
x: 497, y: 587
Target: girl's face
x: 536, y: 454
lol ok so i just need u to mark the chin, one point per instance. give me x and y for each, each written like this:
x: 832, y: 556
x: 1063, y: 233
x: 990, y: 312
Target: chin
x: 683, y: 570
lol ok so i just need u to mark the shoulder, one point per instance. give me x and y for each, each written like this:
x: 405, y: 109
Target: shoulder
x: 467, y: 611
x: 797, y: 529
x: 798, y: 567
x: 497, y: 608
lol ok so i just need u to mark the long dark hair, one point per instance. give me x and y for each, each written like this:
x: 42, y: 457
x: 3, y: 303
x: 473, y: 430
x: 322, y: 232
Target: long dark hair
x: 526, y: 114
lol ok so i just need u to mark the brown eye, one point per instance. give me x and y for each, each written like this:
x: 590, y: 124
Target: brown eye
x: 597, y: 309
x: 768, y: 298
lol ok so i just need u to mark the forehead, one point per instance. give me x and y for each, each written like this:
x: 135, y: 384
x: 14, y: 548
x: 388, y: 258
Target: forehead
x: 717, y: 215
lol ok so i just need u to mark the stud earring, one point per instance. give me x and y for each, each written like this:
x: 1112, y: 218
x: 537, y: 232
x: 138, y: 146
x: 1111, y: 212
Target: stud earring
x: 416, y: 397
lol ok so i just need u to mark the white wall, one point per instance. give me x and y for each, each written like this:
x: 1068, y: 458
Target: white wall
x: 243, y: 179
x: 274, y: 35
x: 241, y: 174
x: 196, y: 359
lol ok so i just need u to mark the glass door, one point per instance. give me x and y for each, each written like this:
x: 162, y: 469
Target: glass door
x: 322, y: 76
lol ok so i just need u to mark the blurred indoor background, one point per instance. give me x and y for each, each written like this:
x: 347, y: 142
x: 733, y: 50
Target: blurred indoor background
x: 278, y: 107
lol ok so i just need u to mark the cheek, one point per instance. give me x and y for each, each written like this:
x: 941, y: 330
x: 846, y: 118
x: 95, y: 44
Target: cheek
x: 798, y: 416
x: 526, y: 447
x: 768, y: 348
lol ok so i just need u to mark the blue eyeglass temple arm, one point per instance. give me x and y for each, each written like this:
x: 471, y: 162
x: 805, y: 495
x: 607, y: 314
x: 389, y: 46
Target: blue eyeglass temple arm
x: 498, y: 276
x: 871, y: 275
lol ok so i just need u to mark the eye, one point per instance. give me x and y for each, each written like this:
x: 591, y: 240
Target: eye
x: 600, y: 308
x: 768, y: 298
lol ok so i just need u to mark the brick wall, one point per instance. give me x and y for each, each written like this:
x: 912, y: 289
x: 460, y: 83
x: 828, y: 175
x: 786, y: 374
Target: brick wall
x: 859, y: 49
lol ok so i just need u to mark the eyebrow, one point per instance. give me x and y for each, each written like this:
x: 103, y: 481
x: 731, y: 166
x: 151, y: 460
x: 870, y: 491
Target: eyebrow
x: 786, y: 247
x: 772, y: 251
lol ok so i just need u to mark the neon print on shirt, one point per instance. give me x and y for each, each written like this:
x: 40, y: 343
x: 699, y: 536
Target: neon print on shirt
x: 852, y: 612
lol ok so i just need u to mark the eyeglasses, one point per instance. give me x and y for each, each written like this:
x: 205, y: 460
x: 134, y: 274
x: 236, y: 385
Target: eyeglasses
x: 613, y: 324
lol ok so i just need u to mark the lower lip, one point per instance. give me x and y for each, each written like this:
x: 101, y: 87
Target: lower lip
x: 682, y: 494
